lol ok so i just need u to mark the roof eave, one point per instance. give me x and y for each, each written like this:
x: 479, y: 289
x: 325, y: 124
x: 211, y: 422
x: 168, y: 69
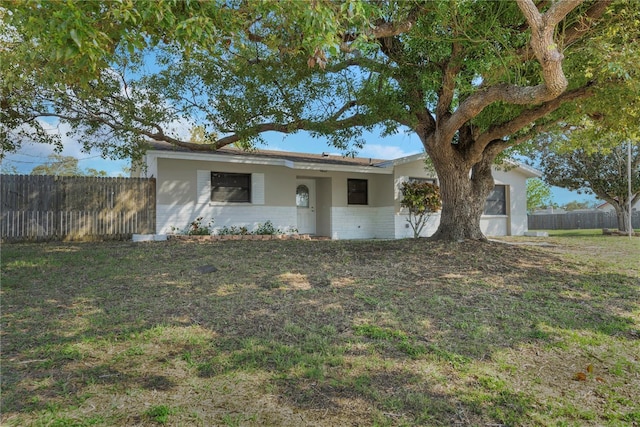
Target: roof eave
x: 256, y: 160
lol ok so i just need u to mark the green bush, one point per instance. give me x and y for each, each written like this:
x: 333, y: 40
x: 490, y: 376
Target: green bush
x: 267, y: 229
x: 197, y: 229
x: 421, y: 199
x: 233, y: 231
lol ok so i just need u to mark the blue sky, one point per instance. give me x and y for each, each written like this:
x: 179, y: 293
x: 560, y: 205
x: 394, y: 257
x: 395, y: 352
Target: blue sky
x: 399, y: 145
x: 390, y: 147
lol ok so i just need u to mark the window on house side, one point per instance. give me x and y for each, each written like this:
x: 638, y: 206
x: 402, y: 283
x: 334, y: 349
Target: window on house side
x: 357, y: 192
x: 230, y: 187
x: 496, y: 203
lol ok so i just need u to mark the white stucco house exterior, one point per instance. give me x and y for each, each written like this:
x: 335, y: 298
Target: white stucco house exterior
x: 318, y: 194
x: 607, y: 207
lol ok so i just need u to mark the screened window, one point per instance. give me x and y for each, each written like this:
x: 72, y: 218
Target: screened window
x: 230, y: 187
x: 496, y: 203
x: 357, y: 191
x: 302, y: 196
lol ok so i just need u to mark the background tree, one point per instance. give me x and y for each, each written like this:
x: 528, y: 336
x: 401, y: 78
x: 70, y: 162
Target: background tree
x: 603, y: 173
x: 538, y: 194
x: 60, y: 165
x: 471, y: 79
x: 575, y: 205
x: 421, y: 199
x: 8, y: 169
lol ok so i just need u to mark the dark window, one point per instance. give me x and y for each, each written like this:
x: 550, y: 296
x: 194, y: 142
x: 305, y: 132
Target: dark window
x: 230, y: 187
x: 496, y: 203
x: 357, y: 191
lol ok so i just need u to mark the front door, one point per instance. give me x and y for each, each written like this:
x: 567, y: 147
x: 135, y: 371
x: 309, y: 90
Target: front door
x: 306, y: 205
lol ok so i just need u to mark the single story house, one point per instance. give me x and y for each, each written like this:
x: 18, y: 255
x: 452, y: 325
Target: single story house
x: 319, y: 194
x: 608, y: 207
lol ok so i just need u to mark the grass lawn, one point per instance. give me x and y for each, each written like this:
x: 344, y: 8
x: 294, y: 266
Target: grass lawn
x: 322, y: 333
x: 578, y: 233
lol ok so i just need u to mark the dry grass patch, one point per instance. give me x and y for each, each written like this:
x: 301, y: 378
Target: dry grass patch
x: 320, y: 333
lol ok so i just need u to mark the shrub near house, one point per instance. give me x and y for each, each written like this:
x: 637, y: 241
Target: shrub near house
x: 421, y: 199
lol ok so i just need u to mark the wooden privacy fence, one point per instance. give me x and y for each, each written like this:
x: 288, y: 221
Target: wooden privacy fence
x: 578, y: 220
x: 39, y: 207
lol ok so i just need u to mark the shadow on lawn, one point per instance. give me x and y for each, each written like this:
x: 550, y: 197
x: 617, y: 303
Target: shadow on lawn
x: 341, y: 326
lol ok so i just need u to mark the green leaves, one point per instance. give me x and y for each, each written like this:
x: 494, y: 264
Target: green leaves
x: 132, y: 70
x: 75, y: 38
x: 421, y: 199
x: 602, y: 172
x: 538, y: 194
x: 60, y: 165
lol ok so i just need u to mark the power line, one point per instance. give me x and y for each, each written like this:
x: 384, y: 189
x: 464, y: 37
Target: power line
x: 45, y: 158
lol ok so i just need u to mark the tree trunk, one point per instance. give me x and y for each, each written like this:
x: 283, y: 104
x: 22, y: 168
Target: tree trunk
x: 622, y: 211
x: 463, y: 190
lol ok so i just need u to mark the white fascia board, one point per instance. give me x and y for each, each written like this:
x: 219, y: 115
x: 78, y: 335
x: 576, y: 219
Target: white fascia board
x: 529, y: 172
x: 223, y: 158
x: 342, y: 168
x: 403, y: 160
x: 269, y: 162
x: 523, y: 169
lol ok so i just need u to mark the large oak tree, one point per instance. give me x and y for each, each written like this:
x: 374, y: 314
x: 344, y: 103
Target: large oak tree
x: 470, y: 78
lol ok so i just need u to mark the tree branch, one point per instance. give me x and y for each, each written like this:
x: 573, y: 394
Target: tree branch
x: 392, y: 29
x: 385, y: 29
x: 547, y: 54
x: 586, y: 23
x: 529, y: 116
x: 359, y: 61
x: 342, y: 110
x: 492, y: 139
x: 544, y: 46
x: 447, y: 90
x: 393, y: 48
x: 355, y: 120
x: 577, y: 31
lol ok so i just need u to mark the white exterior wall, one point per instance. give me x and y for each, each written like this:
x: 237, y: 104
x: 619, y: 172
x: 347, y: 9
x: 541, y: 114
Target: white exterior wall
x: 385, y: 228
x: 494, y: 225
x: 515, y: 223
x: 490, y: 226
x: 247, y: 215
x: 176, y: 217
x: 403, y: 230
x: 519, y: 225
x: 361, y: 222
x: 187, y: 197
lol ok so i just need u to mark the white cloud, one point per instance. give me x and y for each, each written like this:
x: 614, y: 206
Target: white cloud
x: 389, y: 148
x: 32, y: 154
x: 180, y: 129
x: 386, y: 152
